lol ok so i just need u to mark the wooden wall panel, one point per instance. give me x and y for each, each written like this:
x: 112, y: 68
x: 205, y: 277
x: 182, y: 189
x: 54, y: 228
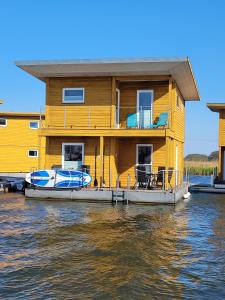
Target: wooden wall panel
x: 16, y: 139
x: 127, y: 156
x: 94, y: 112
x: 128, y: 97
x: 222, y: 129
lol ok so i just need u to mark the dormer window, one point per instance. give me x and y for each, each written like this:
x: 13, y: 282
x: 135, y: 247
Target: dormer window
x: 73, y: 95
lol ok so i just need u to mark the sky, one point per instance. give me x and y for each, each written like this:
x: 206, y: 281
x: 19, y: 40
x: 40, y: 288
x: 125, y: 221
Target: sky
x: 74, y: 29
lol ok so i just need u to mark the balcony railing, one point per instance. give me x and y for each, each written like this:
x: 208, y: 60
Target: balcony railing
x: 123, y: 117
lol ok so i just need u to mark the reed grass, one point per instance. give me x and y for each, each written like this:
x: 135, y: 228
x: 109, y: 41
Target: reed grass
x: 200, y: 167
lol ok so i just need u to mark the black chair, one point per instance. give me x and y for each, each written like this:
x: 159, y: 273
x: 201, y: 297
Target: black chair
x: 141, y: 177
x: 84, y: 168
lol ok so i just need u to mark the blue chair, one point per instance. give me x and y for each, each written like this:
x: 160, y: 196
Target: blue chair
x: 162, y: 121
x: 131, y: 120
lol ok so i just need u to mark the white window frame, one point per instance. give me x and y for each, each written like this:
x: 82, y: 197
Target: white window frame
x: 137, y: 108
x: 71, y: 101
x: 144, y: 145
x: 34, y: 121
x: 31, y: 155
x: 6, y: 122
x: 72, y: 144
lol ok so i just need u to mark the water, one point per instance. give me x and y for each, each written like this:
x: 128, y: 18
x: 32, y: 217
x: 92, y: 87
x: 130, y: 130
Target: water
x: 55, y: 250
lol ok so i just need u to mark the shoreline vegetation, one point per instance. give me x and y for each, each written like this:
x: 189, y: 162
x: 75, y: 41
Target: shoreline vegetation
x: 200, y: 167
x: 201, y: 164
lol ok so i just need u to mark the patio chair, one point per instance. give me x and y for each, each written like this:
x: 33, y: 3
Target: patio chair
x: 162, y: 121
x: 141, y: 178
x: 132, y: 120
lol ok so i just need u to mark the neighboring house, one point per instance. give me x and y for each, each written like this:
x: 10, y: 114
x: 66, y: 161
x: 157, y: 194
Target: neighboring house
x: 220, y: 108
x: 20, y: 146
x: 101, y: 113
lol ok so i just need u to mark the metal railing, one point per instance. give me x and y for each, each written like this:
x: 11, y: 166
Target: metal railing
x: 163, y: 180
x: 123, y: 117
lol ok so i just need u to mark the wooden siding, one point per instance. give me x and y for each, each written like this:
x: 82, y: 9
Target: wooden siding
x: 95, y: 118
x: 94, y: 112
x: 178, y: 113
x: 119, y: 156
x: 222, y: 129
x: 127, y: 156
x: 16, y: 140
x: 128, y: 98
x: 54, y: 153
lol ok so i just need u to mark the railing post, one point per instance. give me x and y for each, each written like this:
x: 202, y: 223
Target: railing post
x: 128, y: 182
x: 110, y: 179
x: 164, y: 179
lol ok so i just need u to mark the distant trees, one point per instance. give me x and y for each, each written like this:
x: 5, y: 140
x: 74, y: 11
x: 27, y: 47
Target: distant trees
x: 202, y: 157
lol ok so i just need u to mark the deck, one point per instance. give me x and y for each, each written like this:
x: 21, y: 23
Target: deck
x: 106, y: 195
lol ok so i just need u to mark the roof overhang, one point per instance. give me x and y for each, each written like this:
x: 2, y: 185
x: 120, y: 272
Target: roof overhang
x: 178, y: 68
x: 216, y: 107
x: 20, y: 114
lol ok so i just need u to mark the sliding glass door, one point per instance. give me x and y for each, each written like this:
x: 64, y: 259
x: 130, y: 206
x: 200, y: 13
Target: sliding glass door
x: 144, y: 108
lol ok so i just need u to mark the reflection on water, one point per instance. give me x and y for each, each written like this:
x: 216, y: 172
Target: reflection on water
x: 55, y: 250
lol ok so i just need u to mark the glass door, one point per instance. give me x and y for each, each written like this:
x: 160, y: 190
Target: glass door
x: 144, y: 157
x: 72, y: 156
x: 144, y: 108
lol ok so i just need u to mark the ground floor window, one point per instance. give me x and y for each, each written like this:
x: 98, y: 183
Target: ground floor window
x: 72, y: 155
x: 33, y: 153
x: 144, y: 156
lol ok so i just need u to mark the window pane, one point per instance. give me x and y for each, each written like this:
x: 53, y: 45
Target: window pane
x: 74, y: 95
x: 34, y: 125
x: 2, y: 122
x: 145, y: 100
x: 33, y: 153
x: 73, y: 153
x: 144, y: 155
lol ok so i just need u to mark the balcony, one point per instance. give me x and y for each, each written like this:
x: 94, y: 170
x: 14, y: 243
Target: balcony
x: 106, y: 121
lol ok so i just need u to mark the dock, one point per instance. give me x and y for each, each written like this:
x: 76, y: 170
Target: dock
x: 110, y: 195
x: 206, y: 188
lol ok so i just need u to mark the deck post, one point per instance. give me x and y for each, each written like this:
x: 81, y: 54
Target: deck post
x: 101, y: 159
x: 113, y: 103
x: 112, y: 162
x: 167, y: 163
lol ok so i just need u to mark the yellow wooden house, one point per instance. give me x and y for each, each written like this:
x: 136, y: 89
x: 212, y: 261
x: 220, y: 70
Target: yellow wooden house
x: 116, y: 116
x: 220, y: 108
x: 21, y: 149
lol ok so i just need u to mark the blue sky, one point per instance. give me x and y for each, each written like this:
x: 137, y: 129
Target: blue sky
x: 67, y: 29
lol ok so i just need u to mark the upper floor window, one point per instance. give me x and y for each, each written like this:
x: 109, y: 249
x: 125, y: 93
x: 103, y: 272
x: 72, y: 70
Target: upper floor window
x: 73, y: 95
x: 3, y: 122
x: 34, y: 124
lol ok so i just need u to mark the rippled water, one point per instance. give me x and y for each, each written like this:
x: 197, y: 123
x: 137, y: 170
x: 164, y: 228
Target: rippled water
x: 55, y: 250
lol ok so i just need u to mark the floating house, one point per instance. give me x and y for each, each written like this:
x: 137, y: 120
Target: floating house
x: 220, y: 108
x: 21, y: 149
x: 120, y: 118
